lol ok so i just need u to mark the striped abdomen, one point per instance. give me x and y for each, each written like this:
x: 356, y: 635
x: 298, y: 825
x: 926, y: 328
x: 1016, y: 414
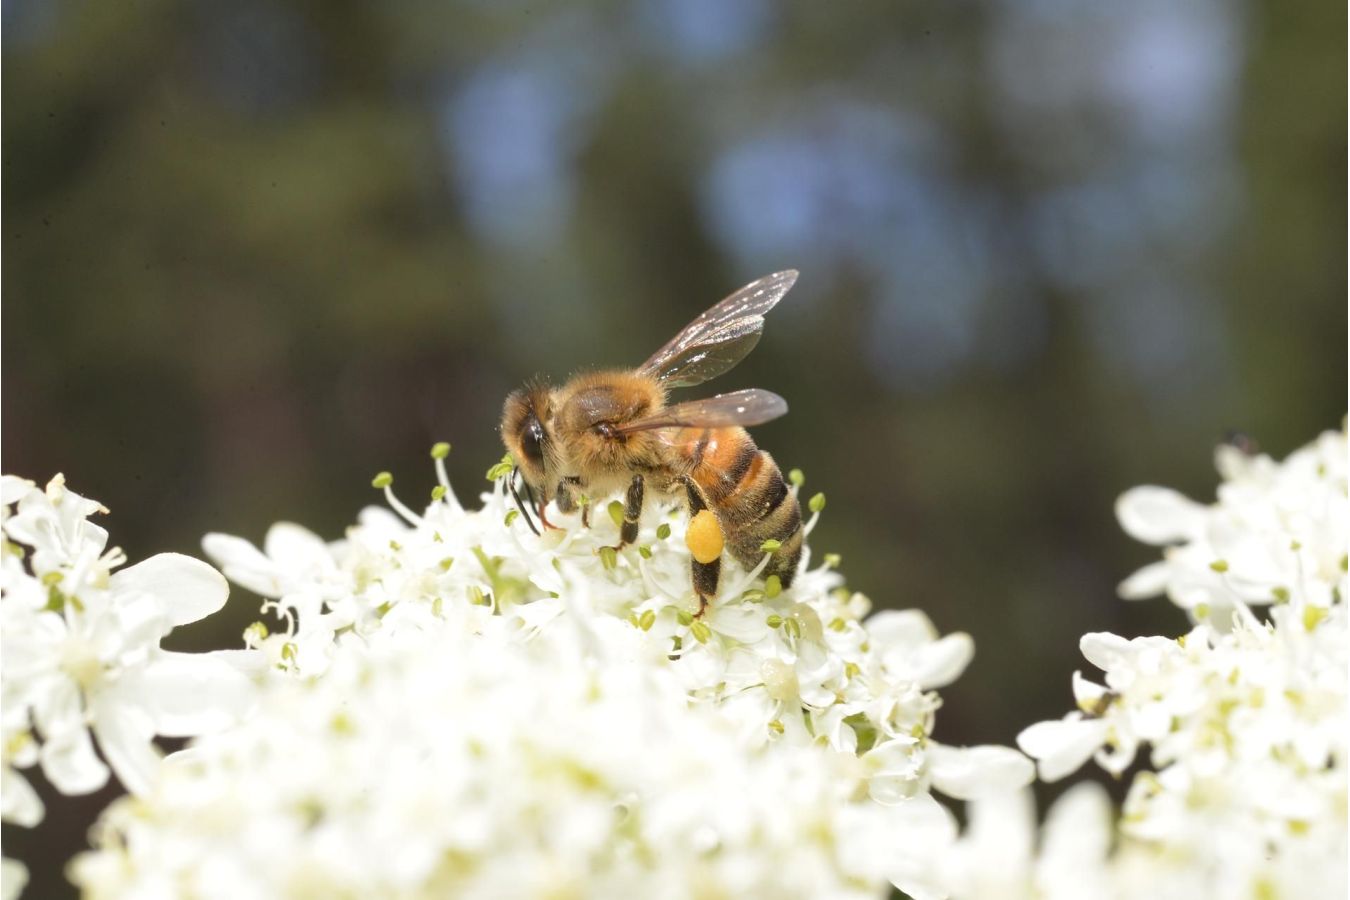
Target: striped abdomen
x: 745, y: 489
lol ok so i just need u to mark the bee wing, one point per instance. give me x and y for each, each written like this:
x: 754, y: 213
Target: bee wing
x: 749, y: 407
x: 721, y: 337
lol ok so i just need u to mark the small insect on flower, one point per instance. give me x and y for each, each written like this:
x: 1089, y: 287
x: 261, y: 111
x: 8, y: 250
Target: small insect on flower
x: 613, y: 431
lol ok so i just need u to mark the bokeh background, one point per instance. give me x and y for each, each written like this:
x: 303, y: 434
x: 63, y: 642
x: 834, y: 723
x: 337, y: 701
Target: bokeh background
x: 255, y: 252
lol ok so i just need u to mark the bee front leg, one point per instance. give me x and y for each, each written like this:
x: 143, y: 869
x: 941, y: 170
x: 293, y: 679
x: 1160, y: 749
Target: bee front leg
x: 704, y: 539
x: 567, y: 500
x: 632, y: 512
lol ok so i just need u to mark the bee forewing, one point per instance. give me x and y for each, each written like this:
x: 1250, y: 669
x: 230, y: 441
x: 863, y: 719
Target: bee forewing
x: 752, y: 406
x: 720, y: 337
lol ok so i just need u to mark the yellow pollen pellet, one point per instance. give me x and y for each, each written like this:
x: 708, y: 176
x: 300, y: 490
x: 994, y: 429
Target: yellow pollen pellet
x: 704, y: 537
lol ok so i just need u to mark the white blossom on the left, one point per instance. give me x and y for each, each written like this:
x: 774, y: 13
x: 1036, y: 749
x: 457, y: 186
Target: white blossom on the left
x: 80, y: 655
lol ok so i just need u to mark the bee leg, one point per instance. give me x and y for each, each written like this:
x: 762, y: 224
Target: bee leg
x: 704, y: 541
x: 567, y: 499
x: 705, y: 577
x: 543, y: 520
x: 632, y: 512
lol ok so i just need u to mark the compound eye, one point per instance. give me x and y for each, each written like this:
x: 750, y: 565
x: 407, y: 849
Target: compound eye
x: 531, y: 441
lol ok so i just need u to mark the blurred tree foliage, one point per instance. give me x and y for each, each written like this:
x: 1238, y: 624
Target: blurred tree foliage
x: 256, y: 252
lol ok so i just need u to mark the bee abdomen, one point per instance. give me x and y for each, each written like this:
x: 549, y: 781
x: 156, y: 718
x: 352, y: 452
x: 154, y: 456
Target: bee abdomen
x: 754, y: 505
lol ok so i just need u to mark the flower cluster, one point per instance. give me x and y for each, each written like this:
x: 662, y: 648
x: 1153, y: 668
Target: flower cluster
x: 81, y: 661
x: 477, y: 707
x: 1246, y: 718
x: 1277, y: 535
x: 451, y: 758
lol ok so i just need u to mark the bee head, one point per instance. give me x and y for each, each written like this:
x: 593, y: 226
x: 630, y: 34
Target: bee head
x: 525, y: 418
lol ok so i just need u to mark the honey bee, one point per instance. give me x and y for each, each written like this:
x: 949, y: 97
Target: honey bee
x: 612, y: 431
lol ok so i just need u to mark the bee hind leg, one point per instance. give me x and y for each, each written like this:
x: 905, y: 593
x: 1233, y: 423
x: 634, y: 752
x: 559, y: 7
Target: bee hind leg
x: 705, y: 577
x: 704, y: 539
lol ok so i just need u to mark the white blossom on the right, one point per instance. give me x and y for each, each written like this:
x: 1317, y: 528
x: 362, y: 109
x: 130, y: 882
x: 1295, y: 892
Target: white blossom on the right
x: 1278, y: 534
x: 1244, y: 717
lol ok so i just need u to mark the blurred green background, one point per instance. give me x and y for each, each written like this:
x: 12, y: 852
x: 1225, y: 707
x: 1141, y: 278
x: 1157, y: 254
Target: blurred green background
x: 256, y: 252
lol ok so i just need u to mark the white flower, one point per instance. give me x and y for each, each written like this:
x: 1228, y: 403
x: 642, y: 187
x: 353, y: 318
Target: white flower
x: 13, y: 878
x: 1244, y: 720
x: 1001, y: 857
x: 1279, y: 532
x: 459, y: 759
x: 798, y: 665
x: 458, y: 706
x: 80, y: 650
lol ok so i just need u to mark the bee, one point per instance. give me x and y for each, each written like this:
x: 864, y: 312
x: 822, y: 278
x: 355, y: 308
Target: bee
x: 611, y: 431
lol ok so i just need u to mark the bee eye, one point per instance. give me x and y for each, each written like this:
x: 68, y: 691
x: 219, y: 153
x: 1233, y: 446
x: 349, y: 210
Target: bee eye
x: 531, y: 440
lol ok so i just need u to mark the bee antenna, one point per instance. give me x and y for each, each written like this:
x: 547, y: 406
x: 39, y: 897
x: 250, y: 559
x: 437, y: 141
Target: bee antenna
x: 524, y: 510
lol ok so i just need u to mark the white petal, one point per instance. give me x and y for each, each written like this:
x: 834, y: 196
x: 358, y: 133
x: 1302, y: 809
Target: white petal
x: 125, y: 737
x: 1159, y: 515
x: 1002, y: 831
x: 940, y: 663
x: 1150, y: 581
x: 140, y: 621
x: 744, y: 624
x: 70, y: 764
x: 243, y: 563
x: 13, y: 489
x: 13, y: 878
x: 57, y: 707
x: 251, y: 663
x: 1075, y: 841
x: 926, y: 831
x: 901, y: 628
x: 19, y: 803
x: 910, y: 648
x: 1105, y: 650
x: 1087, y: 694
x: 538, y: 613
x: 188, y: 694
x: 1062, y: 747
x: 296, y: 547
x: 967, y: 773
x: 893, y: 777
x: 188, y: 588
